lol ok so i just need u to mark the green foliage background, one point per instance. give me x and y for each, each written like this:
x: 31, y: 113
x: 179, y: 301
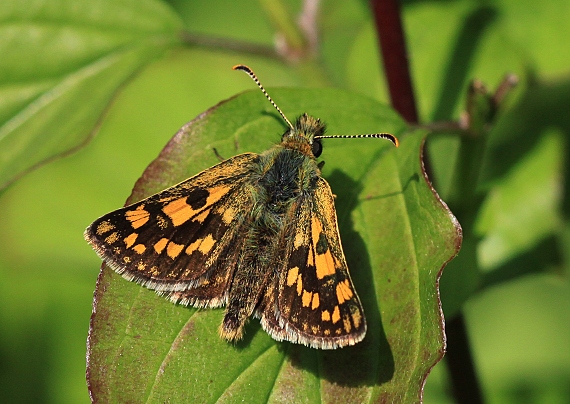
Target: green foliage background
x: 519, y: 329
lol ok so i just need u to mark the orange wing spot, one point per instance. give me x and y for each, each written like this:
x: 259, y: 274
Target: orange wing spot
x: 179, y: 211
x: 346, y: 323
x: 292, y: 276
x: 137, y: 217
x: 193, y: 246
x: 173, y: 250
x: 216, y: 194
x: 202, y: 216
x: 316, y: 302
x: 126, y: 260
x: 339, y: 296
x: 299, y: 285
x: 141, y: 266
x: 324, y: 265
x: 160, y: 244
x: 111, y: 238
x: 207, y: 244
x: 325, y: 315
x: 316, y: 229
x: 139, y: 248
x: 343, y: 291
x: 335, y: 315
x: 311, y: 258
x: 305, y: 326
x: 338, y: 331
x: 336, y: 262
x: 306, y: 299
x: 327, y: 332
x: 229, y: 215
x: 130, y: 239
x: 104, y: 227
x: 204, y: 245
x: 315, y: 329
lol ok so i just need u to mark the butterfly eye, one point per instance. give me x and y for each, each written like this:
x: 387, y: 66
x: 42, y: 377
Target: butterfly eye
x: 317, y: 147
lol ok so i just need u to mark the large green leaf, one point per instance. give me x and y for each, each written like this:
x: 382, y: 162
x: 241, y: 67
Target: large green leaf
x: 397, y: 236
x: 68, y: 58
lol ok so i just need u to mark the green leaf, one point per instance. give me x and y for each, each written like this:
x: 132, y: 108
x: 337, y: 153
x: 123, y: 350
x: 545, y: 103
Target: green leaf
x: 64, y: 58
x: 397, y: 236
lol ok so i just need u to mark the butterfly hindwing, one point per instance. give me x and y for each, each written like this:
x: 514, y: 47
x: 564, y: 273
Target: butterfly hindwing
x: 313, y: 300
x: 181, y: 239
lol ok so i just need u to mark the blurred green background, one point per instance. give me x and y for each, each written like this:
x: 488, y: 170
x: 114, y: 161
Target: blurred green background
x: 520, y: 329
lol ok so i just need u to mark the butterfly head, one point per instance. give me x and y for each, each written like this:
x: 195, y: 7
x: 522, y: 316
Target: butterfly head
x: 305, y: 135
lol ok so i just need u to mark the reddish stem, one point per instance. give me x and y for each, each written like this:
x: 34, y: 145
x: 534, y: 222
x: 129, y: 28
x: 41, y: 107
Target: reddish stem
x: 395, y: 58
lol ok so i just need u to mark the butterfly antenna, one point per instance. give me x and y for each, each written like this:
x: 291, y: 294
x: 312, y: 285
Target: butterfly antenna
x: 254, y: 77
x: 388, y: 136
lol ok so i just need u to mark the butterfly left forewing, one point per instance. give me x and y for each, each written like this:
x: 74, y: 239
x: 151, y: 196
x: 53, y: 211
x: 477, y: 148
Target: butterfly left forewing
x: 315, y: 303
x: 183, y: 238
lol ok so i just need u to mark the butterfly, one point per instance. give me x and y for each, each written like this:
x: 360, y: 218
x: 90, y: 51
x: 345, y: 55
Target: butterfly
x: 256, y: 233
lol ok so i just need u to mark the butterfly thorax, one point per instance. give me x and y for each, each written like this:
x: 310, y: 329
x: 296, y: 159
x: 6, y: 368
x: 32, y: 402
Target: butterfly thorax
x: 286, y: 172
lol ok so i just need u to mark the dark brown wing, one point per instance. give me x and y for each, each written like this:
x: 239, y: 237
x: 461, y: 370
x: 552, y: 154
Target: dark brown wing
x: 184, y: 241
x: 313, y: 300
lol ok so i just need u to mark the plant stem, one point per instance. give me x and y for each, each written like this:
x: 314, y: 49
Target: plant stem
x: 284, y: 24
x: 395, y: 57
x: 227, y: 44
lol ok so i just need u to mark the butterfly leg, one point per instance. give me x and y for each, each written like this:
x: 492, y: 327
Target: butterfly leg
x: 218, y: 155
